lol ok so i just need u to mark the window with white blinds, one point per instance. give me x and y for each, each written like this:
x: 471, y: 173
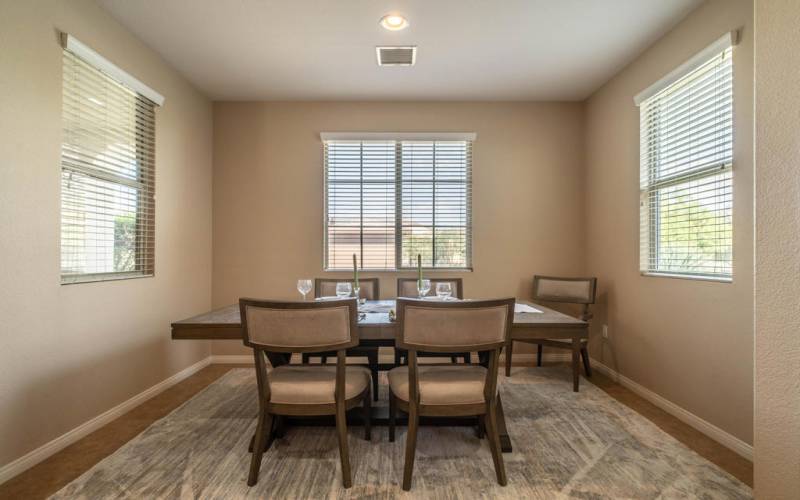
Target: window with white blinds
x: 686, y: 181
x: 388, y: 200
x: 107, y: 176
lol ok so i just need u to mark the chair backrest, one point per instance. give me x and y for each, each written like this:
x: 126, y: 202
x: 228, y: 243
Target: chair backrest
x: 475, y: 325
x: 369, y: 288
x: 407, y: 287
x: 299, y: 326
x: 571, y: 290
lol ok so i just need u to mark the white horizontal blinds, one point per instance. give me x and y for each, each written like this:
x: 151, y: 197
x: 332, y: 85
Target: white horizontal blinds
x: 436, y: 200
x: 360, y: 203
x: 686, y: 173
x: 107, y: 177
x: 387, y: 200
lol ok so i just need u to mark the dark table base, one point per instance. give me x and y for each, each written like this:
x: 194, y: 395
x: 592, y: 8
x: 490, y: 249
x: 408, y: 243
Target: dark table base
x: 380, y: 416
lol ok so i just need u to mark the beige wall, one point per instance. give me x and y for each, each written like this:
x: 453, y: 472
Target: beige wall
x: 268, y: 191
x: 69, y: 353
x: 777, y: 349
x: 691, y: 342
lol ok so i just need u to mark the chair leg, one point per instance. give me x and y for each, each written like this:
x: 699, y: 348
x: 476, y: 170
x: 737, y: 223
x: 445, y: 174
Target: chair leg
x: 454, y: 359
x: 576, y: 371
x: 411, y: 446
x: 344, y: 454
x: 306, y: 358
x: 481, y: 431
x: 263, y: 428
x: 587, y: 368
x: 467, y: 359
x: 509, y: 353
x: 324, y: 360
x: 392, y: 415
x: 494, y: 445
x: 372, y: 359
x: 539, y: 348
x: 368, y: 417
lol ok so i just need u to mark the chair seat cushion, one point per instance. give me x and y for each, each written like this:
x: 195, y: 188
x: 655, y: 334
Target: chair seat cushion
x: 442, y: 384
x: 314, y: 384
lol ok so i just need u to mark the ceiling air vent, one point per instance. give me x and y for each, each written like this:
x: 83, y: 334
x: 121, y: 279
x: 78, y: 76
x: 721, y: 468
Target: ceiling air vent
x: 397, y: 55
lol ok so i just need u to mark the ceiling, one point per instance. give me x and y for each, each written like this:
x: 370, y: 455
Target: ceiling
x: 467, y: 50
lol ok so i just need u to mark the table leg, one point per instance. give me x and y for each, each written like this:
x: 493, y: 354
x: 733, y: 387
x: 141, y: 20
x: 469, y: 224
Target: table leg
x: 576, y: 354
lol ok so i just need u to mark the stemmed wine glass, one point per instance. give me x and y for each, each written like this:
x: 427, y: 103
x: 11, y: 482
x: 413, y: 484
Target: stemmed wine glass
x: 444, y: 290
x: 304, y: 286
x: 423, y: 287
x: 343, y: 289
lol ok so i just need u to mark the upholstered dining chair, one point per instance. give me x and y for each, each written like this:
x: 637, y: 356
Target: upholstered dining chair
x: 407, y: 287
x: 369, y: 288
x: 564, y: 290
x: 450, y: 389
x: 291, y: 327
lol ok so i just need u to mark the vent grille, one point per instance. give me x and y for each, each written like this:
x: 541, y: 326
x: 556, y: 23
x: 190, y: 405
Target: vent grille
x: 396, y: 56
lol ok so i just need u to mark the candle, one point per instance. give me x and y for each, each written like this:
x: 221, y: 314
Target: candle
x: 355, y: 271
x: 419, y: 270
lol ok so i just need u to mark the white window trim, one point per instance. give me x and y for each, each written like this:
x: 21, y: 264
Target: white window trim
x: 723, y: 43
x: 88, y: 54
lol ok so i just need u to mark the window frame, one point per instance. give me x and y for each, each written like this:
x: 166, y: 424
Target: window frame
x: 398, y: 139
x: 141, y: 184
x: 650, y: 188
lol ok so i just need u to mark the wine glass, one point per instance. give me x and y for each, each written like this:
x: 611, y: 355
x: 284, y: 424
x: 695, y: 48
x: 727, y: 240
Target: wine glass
x: 423, y: 287
x: 343, y: 289
x: 444, y: 290
x: 304, y: 286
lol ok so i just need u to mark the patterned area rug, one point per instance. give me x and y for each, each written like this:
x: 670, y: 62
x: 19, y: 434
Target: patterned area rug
x: 566, y: 445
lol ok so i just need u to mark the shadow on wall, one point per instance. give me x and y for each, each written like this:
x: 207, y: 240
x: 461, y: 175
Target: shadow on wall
x: 603, y: 348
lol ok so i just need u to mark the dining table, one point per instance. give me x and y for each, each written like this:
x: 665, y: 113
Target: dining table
x: 376, y: 327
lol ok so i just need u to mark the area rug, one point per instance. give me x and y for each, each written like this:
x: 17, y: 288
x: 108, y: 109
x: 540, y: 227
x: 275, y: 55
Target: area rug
x: 566, y: 445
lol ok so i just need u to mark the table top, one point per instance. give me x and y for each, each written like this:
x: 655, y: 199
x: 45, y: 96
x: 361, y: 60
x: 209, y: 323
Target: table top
x: 225, y: 323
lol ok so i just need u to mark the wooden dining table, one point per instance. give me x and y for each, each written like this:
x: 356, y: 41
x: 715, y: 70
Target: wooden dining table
x: 376, y: 328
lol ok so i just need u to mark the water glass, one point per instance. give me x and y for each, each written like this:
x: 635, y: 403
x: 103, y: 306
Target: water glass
x: 304, y: 286
x: 444, y: 290
x: 343, y: 289
x: 423, y: 287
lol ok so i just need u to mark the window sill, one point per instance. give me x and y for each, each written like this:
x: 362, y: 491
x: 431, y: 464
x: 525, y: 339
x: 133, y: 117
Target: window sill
x: 405, y: 270
x: 692, y: 277
x: 100, y: 278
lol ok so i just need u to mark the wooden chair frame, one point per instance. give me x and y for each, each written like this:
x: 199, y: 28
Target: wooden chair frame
x: 400, y: 356
x: 486, y: 411
x: 265, y: 429
x: 371, y: 353
x: 585, y: 315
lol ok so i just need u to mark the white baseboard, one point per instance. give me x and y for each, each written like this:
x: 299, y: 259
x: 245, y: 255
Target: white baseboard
x: 726, y: 439
x: 39, y: 454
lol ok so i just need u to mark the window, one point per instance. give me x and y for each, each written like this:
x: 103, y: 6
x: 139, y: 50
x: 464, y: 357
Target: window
x: 686, y: 178
x: 107, y: 172
x: 391, y: 197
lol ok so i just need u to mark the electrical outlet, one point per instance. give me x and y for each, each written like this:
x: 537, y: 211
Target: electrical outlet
x: 605, y: 331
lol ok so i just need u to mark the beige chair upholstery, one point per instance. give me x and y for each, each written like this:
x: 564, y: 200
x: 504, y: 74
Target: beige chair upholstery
x: 428, y: 327
x: 442, y: 385
x: 573, y: 290
x: 312, y: 384
x: 298, y: 328
x: 407, y: 287
x: 368, y: 288
x: 273, y: 327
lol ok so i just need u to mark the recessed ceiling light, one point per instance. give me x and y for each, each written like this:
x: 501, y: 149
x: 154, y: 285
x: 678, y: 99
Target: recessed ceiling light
x: 394, y: 22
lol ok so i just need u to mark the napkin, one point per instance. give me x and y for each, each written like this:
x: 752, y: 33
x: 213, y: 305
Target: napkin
x: 525, y: 308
